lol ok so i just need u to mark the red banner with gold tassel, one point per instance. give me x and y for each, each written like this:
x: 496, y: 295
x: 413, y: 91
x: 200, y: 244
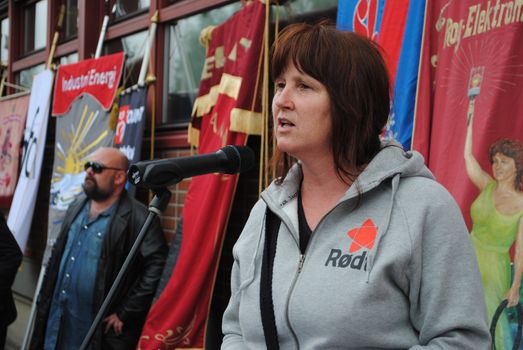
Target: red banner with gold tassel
x: 226, y: 110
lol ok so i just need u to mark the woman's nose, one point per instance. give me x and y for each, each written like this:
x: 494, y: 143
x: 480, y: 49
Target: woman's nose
x: 282, y: 99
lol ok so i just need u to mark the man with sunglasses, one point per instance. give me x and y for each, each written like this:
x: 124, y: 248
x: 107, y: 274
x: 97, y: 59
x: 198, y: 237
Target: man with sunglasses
x: 96, y: 236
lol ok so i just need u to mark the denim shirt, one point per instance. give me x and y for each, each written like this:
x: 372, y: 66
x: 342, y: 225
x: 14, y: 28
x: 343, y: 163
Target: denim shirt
x: 72, y: 311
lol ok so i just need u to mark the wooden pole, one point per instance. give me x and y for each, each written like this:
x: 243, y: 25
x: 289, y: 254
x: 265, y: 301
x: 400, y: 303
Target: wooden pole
x: 56, y: 36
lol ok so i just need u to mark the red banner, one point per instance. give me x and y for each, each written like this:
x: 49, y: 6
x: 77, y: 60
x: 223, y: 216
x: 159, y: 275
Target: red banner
x: 98, y: 77
x: 469, y: 104
x: 466, y: 43
x: 13, y: 112
x: 225, y: 110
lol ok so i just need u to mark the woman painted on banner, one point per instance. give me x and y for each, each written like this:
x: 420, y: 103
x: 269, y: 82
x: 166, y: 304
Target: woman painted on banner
x: 355, y: 245
x: 497, y: 222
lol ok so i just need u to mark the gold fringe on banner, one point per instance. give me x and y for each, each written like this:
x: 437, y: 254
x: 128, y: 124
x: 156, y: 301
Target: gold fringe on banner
x: 247, y: 122
x: 113, y: 114
x: 193, y: 137
x: 202, y: 104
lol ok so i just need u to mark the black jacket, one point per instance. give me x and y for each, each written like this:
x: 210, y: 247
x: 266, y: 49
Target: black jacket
x: 131, y: 303
x: 10, y: 259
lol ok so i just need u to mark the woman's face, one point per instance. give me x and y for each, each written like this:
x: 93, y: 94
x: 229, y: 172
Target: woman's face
x: 503, y: 167
x: 301, y: 110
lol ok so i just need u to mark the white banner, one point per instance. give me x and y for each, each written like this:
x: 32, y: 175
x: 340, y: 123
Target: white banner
x: 22, y: 207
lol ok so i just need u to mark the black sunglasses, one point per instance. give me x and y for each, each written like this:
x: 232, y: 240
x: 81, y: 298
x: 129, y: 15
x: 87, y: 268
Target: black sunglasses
x: 98, y: 167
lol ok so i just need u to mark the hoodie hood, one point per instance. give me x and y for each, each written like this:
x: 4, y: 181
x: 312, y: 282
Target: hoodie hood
x: 391, y: 161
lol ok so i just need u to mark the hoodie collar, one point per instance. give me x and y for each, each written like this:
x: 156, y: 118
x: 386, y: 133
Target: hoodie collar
x: 391, y: 160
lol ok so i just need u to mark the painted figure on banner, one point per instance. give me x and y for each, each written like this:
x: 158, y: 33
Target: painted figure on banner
x: 12, y: 120
x: 497, y: 223
x: 5, y: 155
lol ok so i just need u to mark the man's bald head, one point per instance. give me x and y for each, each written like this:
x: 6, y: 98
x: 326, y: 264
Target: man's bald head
x: 112, y: 157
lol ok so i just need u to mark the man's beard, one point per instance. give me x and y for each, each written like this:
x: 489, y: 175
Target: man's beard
x: 93, y: 192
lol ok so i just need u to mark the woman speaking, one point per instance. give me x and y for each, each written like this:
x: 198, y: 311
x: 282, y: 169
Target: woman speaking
x: 354, y: 245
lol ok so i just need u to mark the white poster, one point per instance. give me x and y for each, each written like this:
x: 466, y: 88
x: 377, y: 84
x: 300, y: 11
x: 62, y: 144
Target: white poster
x: 22, y: 207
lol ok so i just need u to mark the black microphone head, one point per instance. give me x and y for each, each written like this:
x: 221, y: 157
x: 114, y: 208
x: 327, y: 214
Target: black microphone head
x: 138, y: 171
x: 135, y: 173
x: 239, y: 159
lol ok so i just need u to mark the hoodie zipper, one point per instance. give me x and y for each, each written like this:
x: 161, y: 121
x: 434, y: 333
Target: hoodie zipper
x: 301, y: 261
x: 293, y: 284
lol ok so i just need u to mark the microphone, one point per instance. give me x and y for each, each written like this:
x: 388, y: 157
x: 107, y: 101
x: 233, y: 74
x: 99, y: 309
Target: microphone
x: 164, y: 172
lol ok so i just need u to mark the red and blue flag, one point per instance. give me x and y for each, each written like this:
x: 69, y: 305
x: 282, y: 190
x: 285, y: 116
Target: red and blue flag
x: 398, y: 27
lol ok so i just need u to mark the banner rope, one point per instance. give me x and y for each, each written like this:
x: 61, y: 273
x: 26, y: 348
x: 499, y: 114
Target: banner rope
x: 267, y: 173
x: 276, y: 33
x: 264, y: 144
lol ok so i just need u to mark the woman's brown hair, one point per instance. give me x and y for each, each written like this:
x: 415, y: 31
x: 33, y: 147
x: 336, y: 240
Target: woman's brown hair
x: 354, y: 73
x: 513, y: 149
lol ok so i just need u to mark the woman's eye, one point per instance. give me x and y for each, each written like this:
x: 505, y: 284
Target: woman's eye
x: 303, y: 86
x: 279, y: 86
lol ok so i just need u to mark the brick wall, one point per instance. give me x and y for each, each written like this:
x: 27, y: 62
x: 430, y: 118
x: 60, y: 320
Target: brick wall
x: 173, y: 212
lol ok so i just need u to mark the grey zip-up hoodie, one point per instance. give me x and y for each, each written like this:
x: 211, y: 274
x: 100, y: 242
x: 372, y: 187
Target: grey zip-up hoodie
x: 396, y: 272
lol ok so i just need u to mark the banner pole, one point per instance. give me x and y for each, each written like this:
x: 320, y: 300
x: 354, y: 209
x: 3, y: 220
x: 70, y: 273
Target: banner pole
x: 56, y: 36
x: 147, y: 53
x: 32, y: 315
x: 2, y: 83
x: 102, y: 33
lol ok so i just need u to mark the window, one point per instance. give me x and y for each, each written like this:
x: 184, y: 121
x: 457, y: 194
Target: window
x: 306, y: 7
x: 126, y: 8
x: 184, y: 62
x: 4, y: 41
x: 71, y: 20
x: 68, y: 59
x: 25, y: 77
x: 35, y: 26
x: 133, y: 45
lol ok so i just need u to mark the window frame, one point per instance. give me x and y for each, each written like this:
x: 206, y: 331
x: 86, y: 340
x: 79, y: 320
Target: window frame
x: 22, y: 28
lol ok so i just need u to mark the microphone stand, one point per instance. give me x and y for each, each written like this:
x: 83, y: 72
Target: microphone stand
x: 157, y: 205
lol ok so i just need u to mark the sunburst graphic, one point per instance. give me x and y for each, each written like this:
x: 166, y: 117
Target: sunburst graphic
x: 73, y: 158
x: 483, y: 54
x: 78, y: 135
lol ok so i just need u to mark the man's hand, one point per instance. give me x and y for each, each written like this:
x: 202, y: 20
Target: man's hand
x: 113, y: 321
